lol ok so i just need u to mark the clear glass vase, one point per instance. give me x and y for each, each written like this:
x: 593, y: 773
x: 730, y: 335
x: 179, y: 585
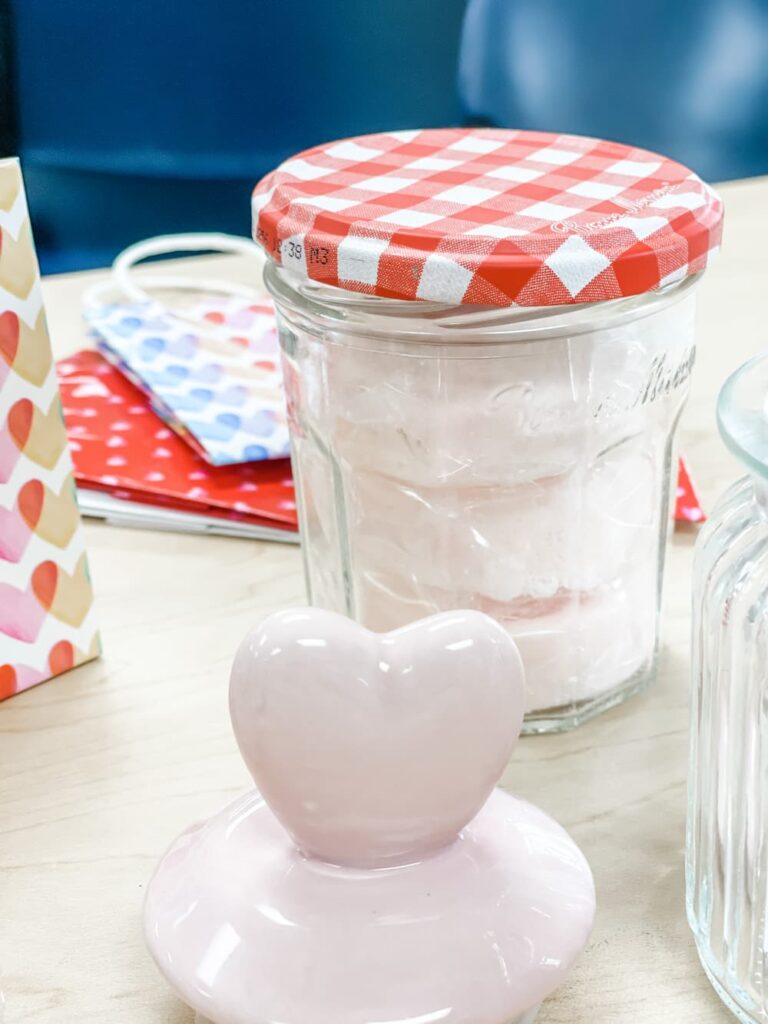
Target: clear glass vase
x: 727, y: 849
x: 515, y: 461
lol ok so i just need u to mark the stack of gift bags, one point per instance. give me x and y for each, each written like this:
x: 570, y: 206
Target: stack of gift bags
x: 178, y: 421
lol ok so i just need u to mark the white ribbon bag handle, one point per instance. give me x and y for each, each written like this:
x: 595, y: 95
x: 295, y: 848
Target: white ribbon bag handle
x: 133, y: 289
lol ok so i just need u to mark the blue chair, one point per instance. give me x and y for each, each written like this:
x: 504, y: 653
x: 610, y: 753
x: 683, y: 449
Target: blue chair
x: 150, y: 116
x: 688, y: 78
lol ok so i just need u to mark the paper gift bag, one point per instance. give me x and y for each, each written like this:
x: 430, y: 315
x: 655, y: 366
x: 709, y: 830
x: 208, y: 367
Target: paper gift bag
x: 46, y: 603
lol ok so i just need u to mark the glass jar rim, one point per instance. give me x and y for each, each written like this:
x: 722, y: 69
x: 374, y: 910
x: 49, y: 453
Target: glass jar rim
x: 742, y: 414
x: 376, y: 317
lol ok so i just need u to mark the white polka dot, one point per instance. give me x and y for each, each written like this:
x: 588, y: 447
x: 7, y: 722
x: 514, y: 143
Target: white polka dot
x: 197, y: 492
x: 117, y: 460
x: 289, y: 506
x: 116, y: 400
x: 75, y: 446
x: 681, y: 492
x: 121, y: 426
x: 78, y: 429
x: 66, y: 368
x: 116, y: 442
x: 241, y: 506
x: 137, y: 410
x: 248, y: 486
x: 88, y: 413
x: 155, y: 476
x: 111, y: 480
x: 162, y: 453
x: 198, y: 474
x: 163, y: 434
x: 288, y: 482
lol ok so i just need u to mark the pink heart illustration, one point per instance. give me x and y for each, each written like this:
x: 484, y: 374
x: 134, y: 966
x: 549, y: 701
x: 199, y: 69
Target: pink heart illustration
x: 9, y: 454
x: 15, y: 534
x: 21, y: 614
x: 15, y: 678
x: 376, y: 749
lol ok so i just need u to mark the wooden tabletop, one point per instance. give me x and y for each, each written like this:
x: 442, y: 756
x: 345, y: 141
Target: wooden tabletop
x: 101, y: 768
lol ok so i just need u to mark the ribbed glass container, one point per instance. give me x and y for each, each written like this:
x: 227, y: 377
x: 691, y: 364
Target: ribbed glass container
x: 727, y: 852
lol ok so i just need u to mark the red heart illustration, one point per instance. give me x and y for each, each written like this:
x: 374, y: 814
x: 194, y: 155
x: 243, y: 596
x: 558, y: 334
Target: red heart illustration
x: 20, y: 421
x: 31, y: 498
x: 61, y: 658
x: 44, y: 580
x: 7, y: 681
x: 9, y: 336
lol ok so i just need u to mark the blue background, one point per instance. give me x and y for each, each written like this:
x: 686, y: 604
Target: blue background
x: 138, y: 118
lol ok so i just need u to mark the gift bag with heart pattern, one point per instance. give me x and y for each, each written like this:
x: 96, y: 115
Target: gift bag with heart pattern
x: 47, y: 622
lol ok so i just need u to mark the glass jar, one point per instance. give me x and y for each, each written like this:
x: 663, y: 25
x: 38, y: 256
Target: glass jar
x: 513, y: 461
x: 727, y: 842
x: 487, y: 338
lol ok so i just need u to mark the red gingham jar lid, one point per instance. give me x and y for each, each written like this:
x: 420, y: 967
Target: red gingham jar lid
x: 487, y: 216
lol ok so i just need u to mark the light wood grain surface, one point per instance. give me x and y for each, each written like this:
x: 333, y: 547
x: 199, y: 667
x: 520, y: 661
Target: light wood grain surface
x: 100, y: 769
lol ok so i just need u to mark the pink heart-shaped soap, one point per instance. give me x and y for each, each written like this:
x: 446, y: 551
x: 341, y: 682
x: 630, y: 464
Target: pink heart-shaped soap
x: 376, y: 749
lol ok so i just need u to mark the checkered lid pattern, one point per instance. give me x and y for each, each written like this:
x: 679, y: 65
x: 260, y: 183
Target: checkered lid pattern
x: 487, y: 216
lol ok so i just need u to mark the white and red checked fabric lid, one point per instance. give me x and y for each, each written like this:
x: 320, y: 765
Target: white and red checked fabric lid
x: 487, y: 216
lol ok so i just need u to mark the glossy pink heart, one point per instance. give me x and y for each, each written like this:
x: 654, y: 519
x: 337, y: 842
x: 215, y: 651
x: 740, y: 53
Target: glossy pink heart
x: 376, y: 749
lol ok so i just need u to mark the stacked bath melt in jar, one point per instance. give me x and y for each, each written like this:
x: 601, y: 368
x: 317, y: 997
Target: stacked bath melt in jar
x: 487, y: 340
